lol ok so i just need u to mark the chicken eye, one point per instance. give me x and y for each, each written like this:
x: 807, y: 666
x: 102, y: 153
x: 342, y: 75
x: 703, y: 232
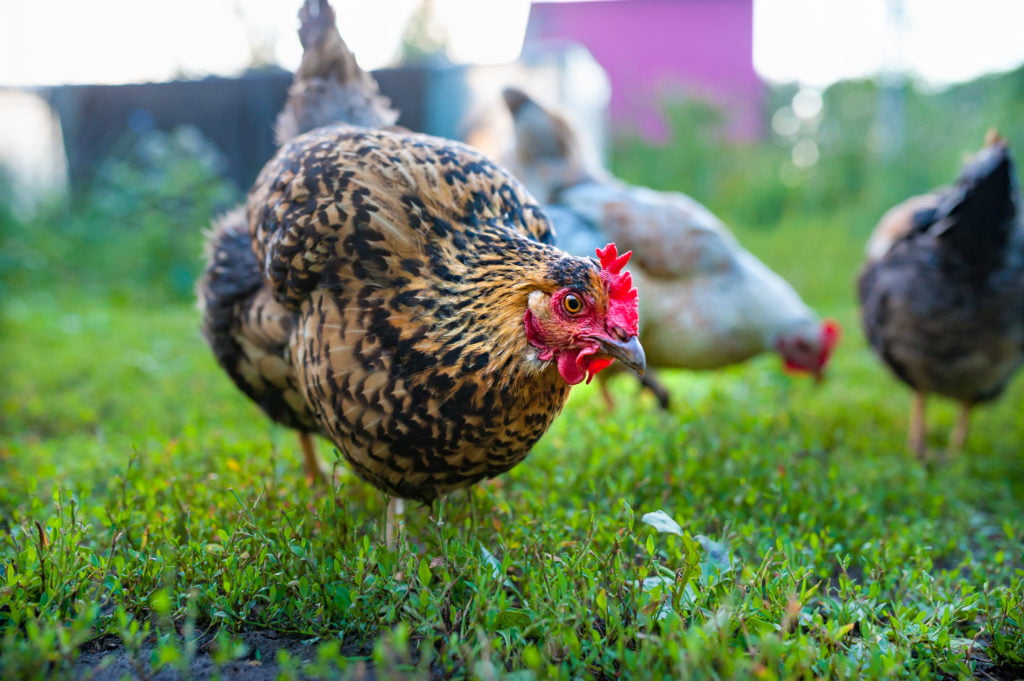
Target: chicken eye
x: 572, y: 304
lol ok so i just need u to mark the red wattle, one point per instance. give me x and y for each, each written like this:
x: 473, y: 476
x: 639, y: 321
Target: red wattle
x: 569, y: 368
x: 579, y: 364
x: 596, y: 366
x: 830, y: 333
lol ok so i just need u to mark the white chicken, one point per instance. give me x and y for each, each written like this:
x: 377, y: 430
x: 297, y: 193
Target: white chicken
x: 706, y: 302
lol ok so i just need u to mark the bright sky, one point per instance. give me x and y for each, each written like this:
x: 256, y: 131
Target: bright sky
x: 812, y: 41
x: 818, y: 42
x: 117, y: 41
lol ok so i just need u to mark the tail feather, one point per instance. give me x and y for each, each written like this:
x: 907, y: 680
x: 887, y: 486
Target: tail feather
x: 548, y: 155
x: 246, y: 328
x: 329, y: 86
x: 540, y: 134
x: 316, y: 22
x: 976, y: 218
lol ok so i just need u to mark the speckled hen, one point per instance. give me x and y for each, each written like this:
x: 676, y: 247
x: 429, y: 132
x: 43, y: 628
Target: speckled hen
x: 399, y: 294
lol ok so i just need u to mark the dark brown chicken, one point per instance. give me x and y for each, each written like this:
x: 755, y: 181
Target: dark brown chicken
x: 398, y: 293
x: 942, y: 293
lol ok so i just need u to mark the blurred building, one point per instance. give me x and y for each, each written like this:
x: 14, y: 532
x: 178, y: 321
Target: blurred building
x: 658, y: 49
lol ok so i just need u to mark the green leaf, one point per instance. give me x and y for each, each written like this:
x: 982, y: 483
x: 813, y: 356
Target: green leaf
x: 424, y: 572
x: 512, y: 618
x: 341, y: 596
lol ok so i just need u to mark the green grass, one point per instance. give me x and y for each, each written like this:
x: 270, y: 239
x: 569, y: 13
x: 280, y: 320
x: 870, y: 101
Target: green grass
x: 147, y: 508
x: 142, y: 498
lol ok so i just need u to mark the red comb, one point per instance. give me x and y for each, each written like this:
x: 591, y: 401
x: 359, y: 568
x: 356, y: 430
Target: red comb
x: 610, y: 258
x: 622, y: 304
x: 830, y: 332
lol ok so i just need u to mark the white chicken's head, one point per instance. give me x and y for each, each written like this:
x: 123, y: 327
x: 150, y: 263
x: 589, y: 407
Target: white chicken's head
x: 808, y: 347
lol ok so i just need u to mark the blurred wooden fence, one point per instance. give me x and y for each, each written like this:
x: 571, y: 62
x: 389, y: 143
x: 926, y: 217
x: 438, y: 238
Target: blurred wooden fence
x: 236, y: 114
x: 63, y: 133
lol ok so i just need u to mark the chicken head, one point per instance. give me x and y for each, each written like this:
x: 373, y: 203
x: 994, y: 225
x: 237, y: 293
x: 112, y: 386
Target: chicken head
x: 808, y: 348
x: 585, y: 327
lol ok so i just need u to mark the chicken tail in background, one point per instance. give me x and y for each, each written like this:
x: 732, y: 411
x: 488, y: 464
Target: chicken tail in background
x: 975, y: 218
x: 329, y: 86
x: 979, y: 216
x: 548, y: 155
x: 706, y: 302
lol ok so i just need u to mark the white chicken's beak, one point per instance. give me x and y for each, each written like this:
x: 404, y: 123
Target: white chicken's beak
x: 628, y: 351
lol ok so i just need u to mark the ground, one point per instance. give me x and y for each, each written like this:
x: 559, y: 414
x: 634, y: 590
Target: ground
x: 107, y: 658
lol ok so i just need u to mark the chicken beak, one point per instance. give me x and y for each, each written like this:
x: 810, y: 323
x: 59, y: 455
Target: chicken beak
x: 628, y: 351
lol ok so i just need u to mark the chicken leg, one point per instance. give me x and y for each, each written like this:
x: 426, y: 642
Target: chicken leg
x: 918, y: 429
x: 959, y: 435
x: 602, y: 382
x: 315, y: 473
x: 648, y: 381
x: 394, y: 522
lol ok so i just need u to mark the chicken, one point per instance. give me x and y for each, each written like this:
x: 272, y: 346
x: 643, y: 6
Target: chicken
x: 400, y: 295
x: 707, y: 302
x: 942, y: 292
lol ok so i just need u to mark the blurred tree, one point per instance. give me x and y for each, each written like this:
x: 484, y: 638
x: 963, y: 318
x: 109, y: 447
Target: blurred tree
x: 260, y: 39
x: 425, y: 40
x: 136, y: 233
x: 758, y: 184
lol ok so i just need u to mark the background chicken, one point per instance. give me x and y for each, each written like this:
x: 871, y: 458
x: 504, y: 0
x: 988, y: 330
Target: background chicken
x: 398, y: 293
x: 942, y: 293
x: 706, y: 301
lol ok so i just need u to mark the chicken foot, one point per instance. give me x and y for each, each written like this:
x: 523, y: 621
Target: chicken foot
x: 394, y: 522
x: 918, y: 428
x: 959, y: 435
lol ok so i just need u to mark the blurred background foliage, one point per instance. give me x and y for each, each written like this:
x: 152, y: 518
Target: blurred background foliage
x: 135, y: 233
x: 758, y: 184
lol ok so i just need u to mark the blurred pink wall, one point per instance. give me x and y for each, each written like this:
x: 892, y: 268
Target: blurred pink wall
x: 653, y: 48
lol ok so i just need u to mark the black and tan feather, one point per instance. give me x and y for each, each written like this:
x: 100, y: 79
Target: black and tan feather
x: 246, y: 328
x: 408, y: 262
